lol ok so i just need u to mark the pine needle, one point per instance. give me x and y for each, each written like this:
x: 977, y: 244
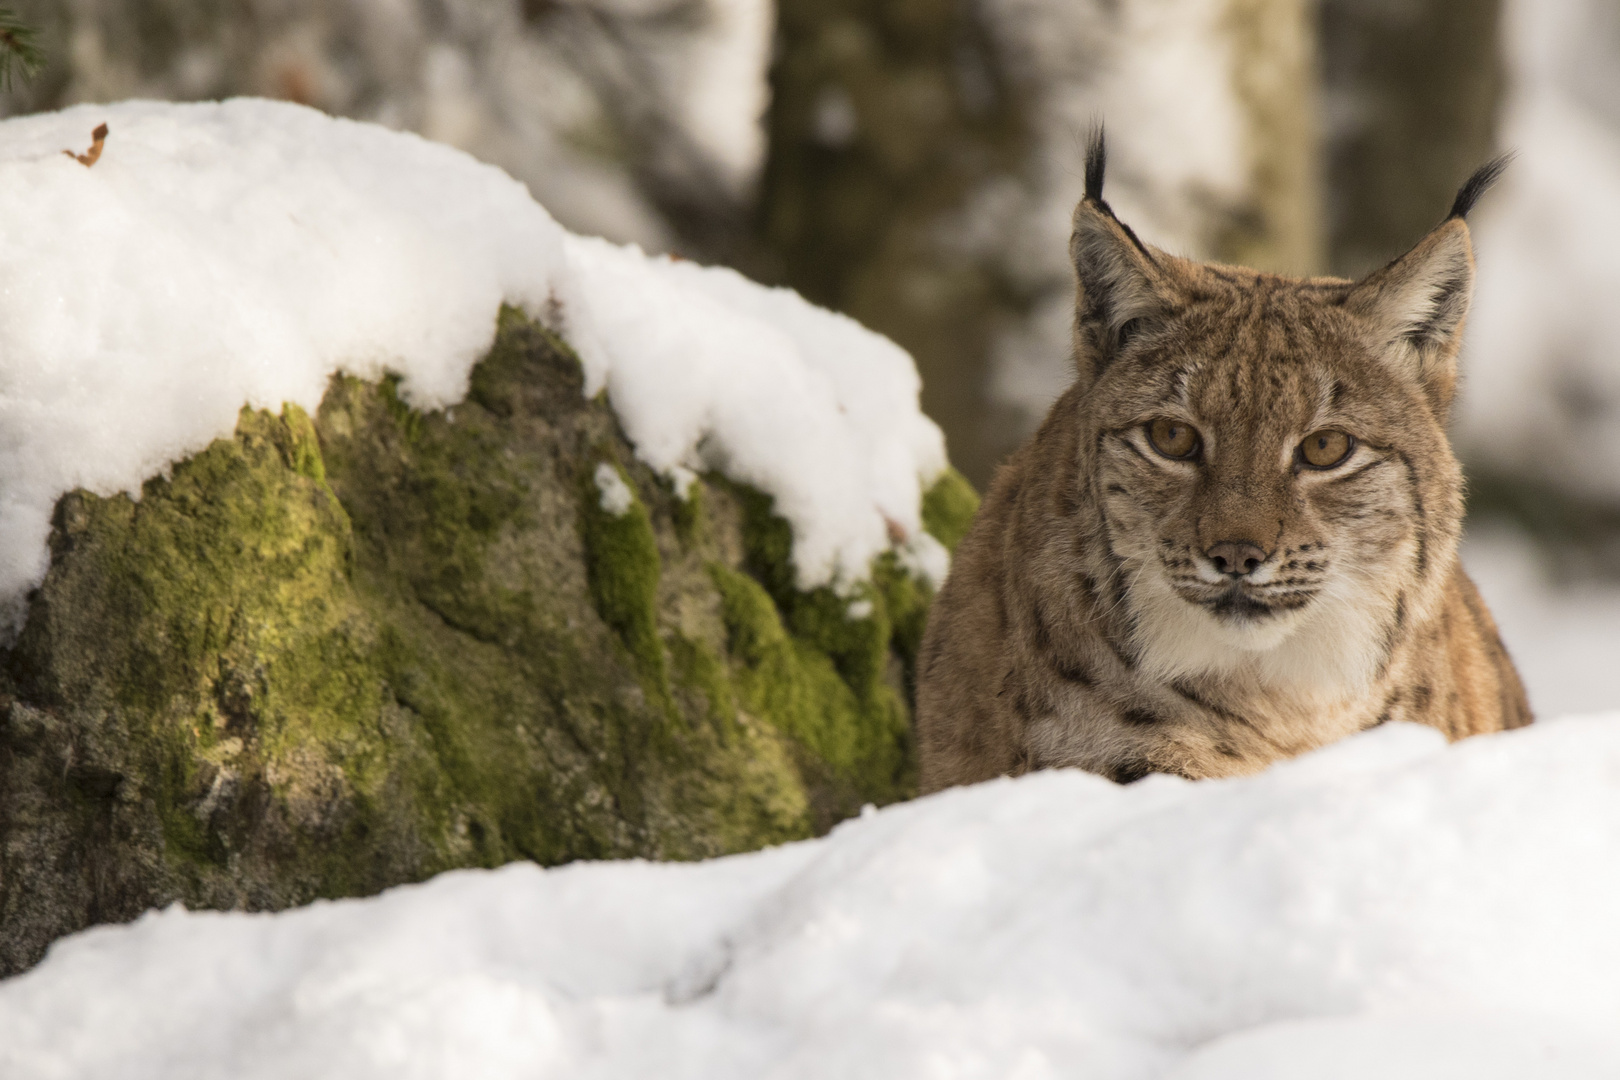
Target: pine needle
x: 20, y: 53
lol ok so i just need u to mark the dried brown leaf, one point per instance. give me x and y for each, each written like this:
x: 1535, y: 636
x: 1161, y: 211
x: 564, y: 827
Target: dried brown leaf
x: 93, y: 155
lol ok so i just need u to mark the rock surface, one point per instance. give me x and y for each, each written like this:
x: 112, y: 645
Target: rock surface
x: 341, y: 652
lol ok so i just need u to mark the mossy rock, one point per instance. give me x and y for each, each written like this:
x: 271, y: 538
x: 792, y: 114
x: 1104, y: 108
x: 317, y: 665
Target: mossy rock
x: 339, y: 653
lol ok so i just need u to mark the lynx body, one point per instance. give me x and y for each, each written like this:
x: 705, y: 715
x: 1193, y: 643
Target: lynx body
x: 1234, y: 538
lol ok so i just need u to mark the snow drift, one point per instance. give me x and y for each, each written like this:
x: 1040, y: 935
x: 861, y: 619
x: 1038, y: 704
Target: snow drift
x: 223, y: 255
x: 1387, y: 907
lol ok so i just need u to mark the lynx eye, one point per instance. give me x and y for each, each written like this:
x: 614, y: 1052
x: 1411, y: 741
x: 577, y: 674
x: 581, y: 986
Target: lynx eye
x: 1326, y: 448
x: 1173, y: 438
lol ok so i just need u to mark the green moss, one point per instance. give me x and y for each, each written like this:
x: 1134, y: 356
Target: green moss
x: 690, y: 519
x: 302, y: 451
x: 948, y: 507
x: 622, y: 564
x: 858, y: 728
x: 820, y: 617
x: 408, y: 419
x: 230, y: 646
x: 478, y: 792
x: 905, y: 601
x: 330, y: 655
x: 792, y: 685
x: 699, y: 670
x: 753, y: 780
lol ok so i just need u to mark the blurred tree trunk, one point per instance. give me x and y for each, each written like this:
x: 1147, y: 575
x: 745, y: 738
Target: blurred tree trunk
x: 925, y: 155
x: 636, y: 121
x: 1411, y: 95
x: 886, y: 116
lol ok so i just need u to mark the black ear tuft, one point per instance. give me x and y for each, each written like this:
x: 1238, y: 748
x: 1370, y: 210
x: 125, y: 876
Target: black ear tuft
x: 1484, y: 176
x: 1096, y: 163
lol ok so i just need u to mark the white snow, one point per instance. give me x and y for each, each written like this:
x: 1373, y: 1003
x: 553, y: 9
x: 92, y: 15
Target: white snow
x: 1388, y: 907
x: 708, y: 370
x: 616, y: 495
x: 222, y: 255
x: 926, y: 557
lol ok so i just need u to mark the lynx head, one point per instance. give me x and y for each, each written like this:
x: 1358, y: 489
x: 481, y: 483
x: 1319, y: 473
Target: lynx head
x: 1268, y: 455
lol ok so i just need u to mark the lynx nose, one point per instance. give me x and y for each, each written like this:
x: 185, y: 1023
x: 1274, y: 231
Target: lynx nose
x: 1235, y: 557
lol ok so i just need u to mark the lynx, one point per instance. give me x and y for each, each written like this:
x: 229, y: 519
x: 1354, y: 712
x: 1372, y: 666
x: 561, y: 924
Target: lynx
x: 1234, y: 538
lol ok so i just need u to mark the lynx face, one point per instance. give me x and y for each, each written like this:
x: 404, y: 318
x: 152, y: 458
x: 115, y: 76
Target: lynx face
x: 1256, y: 470
x: 1233, y: 539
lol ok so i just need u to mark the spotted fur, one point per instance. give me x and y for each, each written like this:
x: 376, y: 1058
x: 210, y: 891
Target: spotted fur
x: 1086, y: 622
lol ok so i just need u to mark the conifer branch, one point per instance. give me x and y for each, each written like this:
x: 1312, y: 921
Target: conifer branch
x: 19, y: 49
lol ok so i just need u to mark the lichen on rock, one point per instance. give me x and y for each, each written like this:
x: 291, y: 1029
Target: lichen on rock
x: 336, y: 653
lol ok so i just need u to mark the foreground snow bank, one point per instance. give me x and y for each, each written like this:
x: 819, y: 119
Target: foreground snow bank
x: 241, y: 253
x: 1387, y: 907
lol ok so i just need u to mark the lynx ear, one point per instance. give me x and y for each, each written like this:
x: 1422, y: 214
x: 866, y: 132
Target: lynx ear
x: 1417, y: 304
x: 1121, y: 286
x: 1415, y: 307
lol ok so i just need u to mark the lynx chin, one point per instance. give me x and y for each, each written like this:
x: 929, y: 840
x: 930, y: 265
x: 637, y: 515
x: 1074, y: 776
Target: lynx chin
x: 1234, y: 538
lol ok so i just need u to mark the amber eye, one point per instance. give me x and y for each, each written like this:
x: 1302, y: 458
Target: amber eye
x: 1173, y: 438
x: 1326, y: 448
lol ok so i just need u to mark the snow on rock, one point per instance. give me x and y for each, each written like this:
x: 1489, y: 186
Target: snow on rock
x: 616, y: 495
x: 1388, y: 907
x: 241, y: 253
x: 707, y: 369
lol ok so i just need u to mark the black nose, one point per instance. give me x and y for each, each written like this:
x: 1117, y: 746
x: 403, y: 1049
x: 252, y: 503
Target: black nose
x: 1236, y: 557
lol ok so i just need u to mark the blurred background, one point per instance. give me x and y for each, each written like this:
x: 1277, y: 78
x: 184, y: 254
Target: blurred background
x: 914, y: 163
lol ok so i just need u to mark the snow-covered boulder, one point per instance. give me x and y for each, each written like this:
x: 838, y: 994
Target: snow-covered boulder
x: 359, y: 522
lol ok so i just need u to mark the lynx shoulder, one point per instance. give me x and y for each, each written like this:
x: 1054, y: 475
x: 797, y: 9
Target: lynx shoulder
x: 1234, y: 538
